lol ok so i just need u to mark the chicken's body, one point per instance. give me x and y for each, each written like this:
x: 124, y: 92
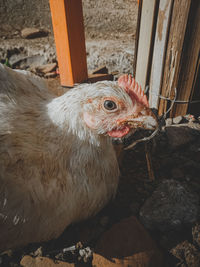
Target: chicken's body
x: 54, y: 169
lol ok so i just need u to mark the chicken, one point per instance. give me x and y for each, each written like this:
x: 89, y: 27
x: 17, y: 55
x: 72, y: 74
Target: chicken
x: 57, y: 162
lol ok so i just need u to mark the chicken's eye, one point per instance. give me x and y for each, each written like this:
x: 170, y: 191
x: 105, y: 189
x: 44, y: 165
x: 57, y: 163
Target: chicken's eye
x: 109, y: 105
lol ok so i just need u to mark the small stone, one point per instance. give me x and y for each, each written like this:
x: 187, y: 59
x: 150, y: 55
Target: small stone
x: 28, y: 261
x: 46, y: 68
x: 50, y: 75
x: 171, y: 205
x: 127, y: 244
x: 30, y: 33
x: 168, y: 122
x: 38, y: 252
x: 177, y: 120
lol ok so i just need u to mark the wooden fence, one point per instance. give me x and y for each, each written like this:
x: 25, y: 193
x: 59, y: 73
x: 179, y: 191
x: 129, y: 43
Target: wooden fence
x: 167, y: 53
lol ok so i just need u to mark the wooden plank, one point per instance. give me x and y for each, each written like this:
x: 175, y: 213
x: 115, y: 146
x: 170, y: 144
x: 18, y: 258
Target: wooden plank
x: 159, y: 52
x: 137, y: 36
x: 174, y: 50
x: 67, y: 20
x: 195, y: 107
x: 145, y: 40
x: 190, y: 60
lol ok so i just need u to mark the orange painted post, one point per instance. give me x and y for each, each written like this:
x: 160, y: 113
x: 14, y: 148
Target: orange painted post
x: 67, y: 20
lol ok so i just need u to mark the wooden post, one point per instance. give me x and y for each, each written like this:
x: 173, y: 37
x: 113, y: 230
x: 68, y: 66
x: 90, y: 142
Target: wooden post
x: 67, y: 20
x: 174, y: 51
x: 189, y: 68
x: 164, y: 14
x: 145, y: 41
x: 137, y: 36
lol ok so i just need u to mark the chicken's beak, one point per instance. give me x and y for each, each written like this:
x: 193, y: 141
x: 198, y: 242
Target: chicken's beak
x: 143, y: 127
x: 145, y: 119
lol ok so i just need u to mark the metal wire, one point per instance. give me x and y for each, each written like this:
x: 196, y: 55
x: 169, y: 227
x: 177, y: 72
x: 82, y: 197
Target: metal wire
x: 159, y: 125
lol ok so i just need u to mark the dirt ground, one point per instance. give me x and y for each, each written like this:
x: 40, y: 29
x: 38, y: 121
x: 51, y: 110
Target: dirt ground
x: 110, y: 28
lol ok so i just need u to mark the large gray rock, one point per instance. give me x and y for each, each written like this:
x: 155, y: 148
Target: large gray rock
x: 179, y: 135
x: 171, y: 205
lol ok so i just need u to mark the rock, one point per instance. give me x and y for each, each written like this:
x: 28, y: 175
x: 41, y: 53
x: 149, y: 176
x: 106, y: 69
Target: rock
x: 28, y: 261
x: 46, y: 68
x: 177, y: 119
x: 30, y: 33
x: 179, y: 135
x: 168, y: 122
x: 171, y: 205
x: 127, y: 244
x: 187, y: 254
x: 50, y: 75
x: 37, y: 252
x: 28, y: 62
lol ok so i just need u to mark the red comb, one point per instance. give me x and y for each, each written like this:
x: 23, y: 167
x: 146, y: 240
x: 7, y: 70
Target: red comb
x: 133, y: 89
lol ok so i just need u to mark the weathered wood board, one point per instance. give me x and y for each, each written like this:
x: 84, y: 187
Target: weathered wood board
x: 174, y: 51
x: 145, y: 41
x: 159, y: 51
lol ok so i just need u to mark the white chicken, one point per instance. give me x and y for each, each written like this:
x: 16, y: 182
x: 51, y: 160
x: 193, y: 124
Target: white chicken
x: 57, y: 162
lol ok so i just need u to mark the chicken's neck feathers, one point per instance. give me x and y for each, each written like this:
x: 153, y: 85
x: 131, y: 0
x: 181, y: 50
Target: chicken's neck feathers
x: 66, y: 112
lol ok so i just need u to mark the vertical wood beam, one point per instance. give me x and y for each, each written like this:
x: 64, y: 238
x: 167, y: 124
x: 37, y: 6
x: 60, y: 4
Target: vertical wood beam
x: 145, y: 41
x: 190, y: 61
x: 174, y: 50
x: 68, y: 27
x: 164, y: 14
x: 137, y: 36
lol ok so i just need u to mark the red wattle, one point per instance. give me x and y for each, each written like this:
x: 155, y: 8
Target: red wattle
x: 119, y: 133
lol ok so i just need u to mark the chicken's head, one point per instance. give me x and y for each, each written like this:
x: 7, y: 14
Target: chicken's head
x: 116, y: 108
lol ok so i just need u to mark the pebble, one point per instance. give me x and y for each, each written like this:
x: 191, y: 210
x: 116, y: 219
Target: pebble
x: 50, y: 75
x: 170, y: 206
x: 168, y: 122
x: 47, y: 68
x: 30, y: 33
x: 177, y: 120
